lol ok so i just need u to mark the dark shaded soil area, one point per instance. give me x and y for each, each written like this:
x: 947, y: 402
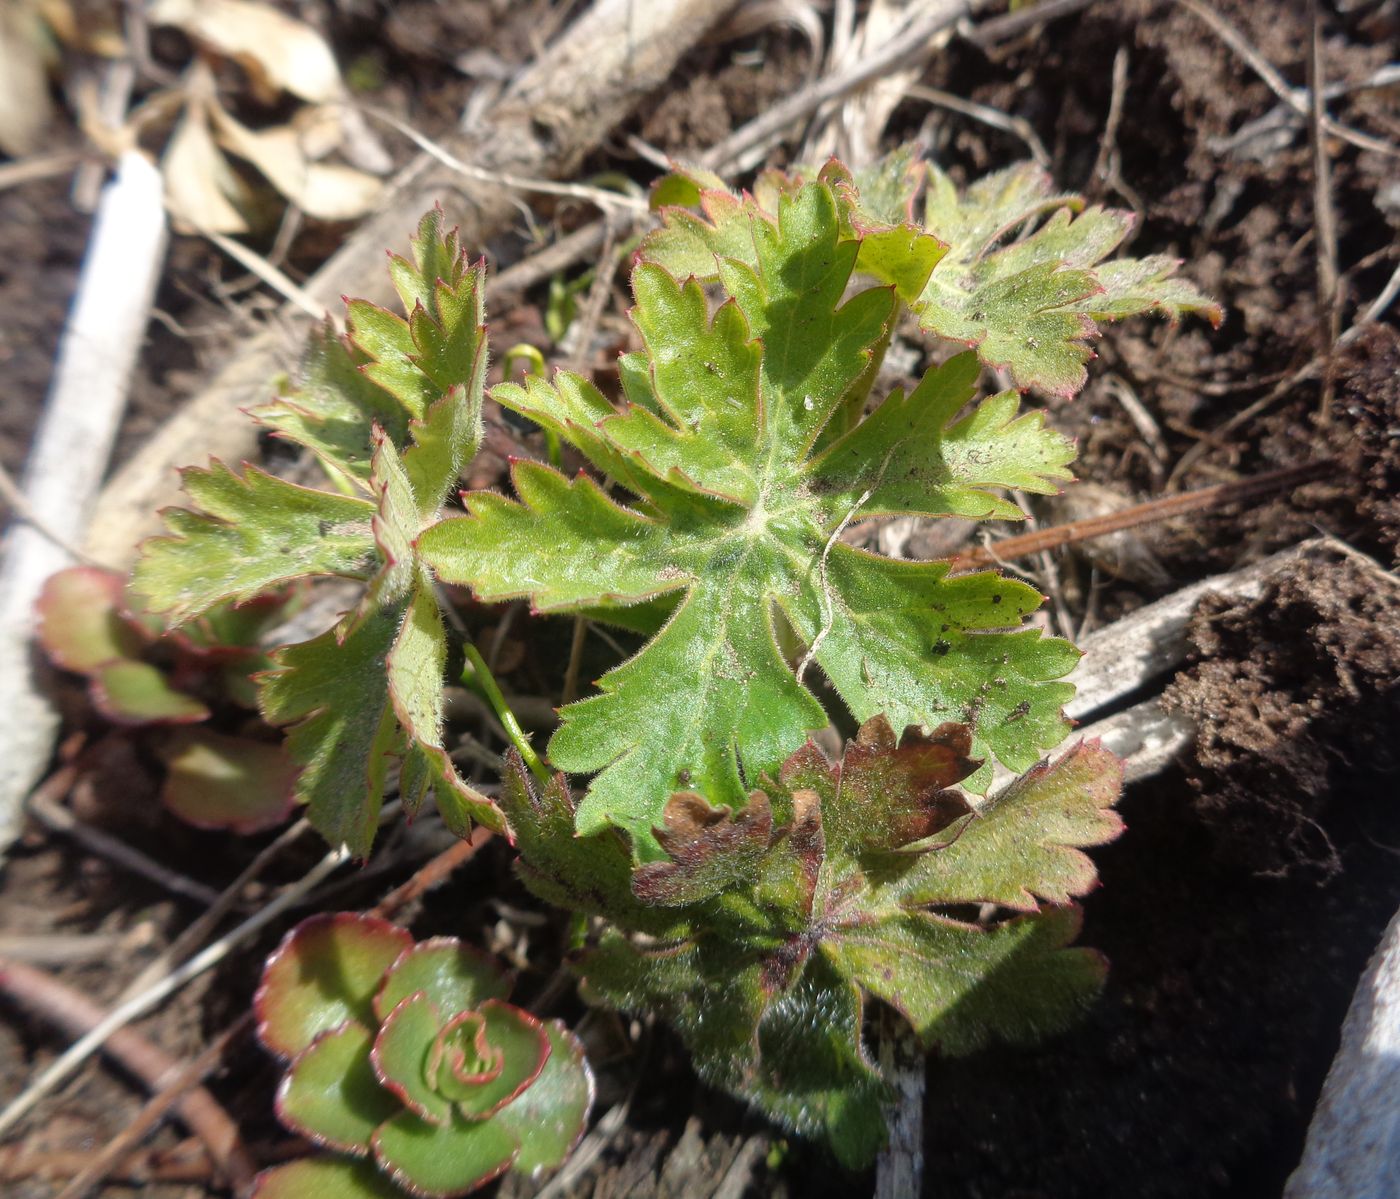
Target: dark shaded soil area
x: 1254, y: 879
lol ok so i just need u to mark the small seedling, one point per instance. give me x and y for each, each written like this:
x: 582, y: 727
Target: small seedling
x: 405, y: 1060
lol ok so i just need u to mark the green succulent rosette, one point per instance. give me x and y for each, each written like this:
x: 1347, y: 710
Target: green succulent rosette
x: 406, y: 1060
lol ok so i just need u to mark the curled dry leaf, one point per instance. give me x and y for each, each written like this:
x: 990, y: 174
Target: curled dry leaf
x: 202, y: 191
x: 279, y: 52
x: 287, y: 156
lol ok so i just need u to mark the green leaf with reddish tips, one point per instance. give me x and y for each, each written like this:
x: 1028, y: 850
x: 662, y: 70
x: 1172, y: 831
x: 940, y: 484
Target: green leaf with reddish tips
x: 402, y: 1054
x: 510, y: 1035
x: 249, y: 535
x: 345, y: 733
x: 962, y: 986
x: 1025, y: 291
x: 550, y: 1115
x: 222, y: 782
x: 941, y: 466
x: 80, y: 624
x: 460, y: 1060
x: 723, y: 446
x: 416, y: 666
x: 1022, y: 843
x: 455, y: 977
x: 334, y: 407
x: 326, y: 971
x: 330, y: 1093
x: 709, y: 849
x: 138, y: 693
x: 437, y: 1162
x: 325, y: 1178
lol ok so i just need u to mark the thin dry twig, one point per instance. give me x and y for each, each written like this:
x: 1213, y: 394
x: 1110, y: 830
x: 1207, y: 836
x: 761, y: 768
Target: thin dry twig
x: 1164, y: 508
x: 597, y: 196
x: 1017, y: 126
x: 63, y: 1067
x: 1295, y: 98
x: 1324, y: 209
x: 44, y: 996
x: 44, y: 806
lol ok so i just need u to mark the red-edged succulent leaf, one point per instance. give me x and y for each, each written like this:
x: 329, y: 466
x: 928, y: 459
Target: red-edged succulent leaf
x: 330, y: 1093
x: 325, y: 1178
x: 80, y: 623
x: 1024, y: 843
x: 401, y: 1054
x: 455, y: 977
x: 222, y: 782
x: 326, y: 971
x: 551, y: 1113
x: 84, y: 627
x: 137, y: 693
x: 484, y: 1075
x: 438, y: 1162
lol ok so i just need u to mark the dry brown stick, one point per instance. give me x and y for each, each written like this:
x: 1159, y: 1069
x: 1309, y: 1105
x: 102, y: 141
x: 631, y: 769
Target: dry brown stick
x: 432, y: 873
x: 1163, y: 508
x: 44, y: 806
x: 45, y: 997
x: 186, y: 1162
x: 1324, y: 210
x: 914, y: 45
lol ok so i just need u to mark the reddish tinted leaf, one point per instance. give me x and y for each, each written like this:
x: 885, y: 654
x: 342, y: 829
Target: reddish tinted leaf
x: 79, y: 619
x: 710, y: 849
x: 904, y: 781
x: 508, y: 1035
x: 137, y: 693
x: 233, y: 783
x: 325, y: 972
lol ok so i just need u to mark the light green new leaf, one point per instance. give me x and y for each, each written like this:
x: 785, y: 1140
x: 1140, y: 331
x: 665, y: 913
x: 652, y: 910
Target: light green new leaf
x: 736, y: 512
x: 334, y: 408
x: 1027, y: 297
x: 247, y: 536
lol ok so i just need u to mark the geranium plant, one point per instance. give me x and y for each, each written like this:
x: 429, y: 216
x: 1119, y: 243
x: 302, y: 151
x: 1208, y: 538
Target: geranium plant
x: 406, y: 1062
x: 755, y: 893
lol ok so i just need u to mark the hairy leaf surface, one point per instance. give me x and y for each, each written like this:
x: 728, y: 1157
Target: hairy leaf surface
x: 738, y: 506
x: 784, y: 916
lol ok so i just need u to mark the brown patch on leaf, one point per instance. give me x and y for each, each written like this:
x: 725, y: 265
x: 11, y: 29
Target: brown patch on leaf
x: 710, y: 848
x: 905, y: 781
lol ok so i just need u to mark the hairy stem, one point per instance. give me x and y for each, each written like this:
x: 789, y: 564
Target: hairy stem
x: 480, y: 679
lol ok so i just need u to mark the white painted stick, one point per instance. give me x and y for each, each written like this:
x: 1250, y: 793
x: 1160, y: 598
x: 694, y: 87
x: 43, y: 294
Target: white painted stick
x: 70, y: 451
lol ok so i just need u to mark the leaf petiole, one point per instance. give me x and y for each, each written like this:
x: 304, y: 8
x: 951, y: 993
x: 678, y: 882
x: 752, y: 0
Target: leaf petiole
x: 477, y: 675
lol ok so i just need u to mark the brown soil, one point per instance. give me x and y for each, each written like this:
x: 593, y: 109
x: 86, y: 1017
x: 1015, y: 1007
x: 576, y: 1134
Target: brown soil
x: 1241, y: 905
